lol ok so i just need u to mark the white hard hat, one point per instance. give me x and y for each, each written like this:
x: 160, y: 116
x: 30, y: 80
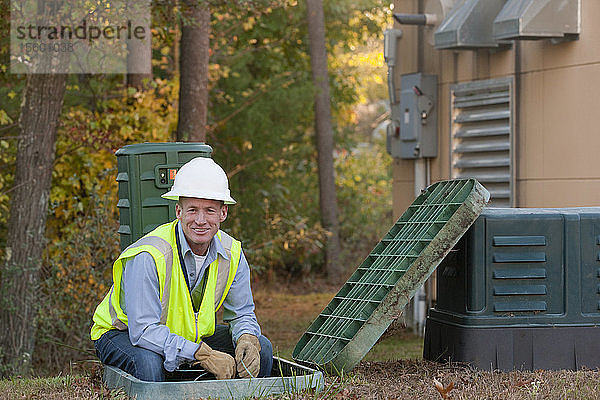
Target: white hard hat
x: 201, y: 178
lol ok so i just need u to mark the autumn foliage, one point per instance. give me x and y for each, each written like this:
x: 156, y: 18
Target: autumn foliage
x: 260, y: 127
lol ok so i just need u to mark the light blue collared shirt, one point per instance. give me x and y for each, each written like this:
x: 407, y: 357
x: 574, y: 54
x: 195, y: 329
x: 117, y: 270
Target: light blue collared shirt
x: 140, y: 301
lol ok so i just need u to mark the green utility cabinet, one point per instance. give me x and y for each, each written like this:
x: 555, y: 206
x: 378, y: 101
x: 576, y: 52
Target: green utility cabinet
x: 521, y: 290
x: 144, y: 172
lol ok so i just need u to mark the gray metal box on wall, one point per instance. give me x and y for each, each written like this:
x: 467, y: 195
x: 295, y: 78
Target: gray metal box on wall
x: 521, y: 290
x: 144, y: 172
x: 413, y: 132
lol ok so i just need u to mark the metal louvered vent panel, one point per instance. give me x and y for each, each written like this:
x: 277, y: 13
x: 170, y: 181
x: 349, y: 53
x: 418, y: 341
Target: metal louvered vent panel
x: 481, y: 136
x: 391, y: 274
x: 519, y: 278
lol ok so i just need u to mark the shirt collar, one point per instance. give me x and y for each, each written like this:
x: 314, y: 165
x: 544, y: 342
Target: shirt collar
x: 215, y: 247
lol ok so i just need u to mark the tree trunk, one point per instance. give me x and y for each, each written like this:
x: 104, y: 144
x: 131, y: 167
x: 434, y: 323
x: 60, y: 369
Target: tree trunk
x: 38, y: 123
x: 173, y: 66
x: 139, y: 58
x: 193, y: 67
x: 324, y: 136
x: 139, y: 52
x: 139, y: 81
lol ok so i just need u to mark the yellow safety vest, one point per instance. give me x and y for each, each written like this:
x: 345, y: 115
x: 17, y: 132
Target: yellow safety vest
x: 178, y: 312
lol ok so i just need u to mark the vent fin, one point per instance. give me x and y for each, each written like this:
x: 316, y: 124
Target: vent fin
x: 481, y: 135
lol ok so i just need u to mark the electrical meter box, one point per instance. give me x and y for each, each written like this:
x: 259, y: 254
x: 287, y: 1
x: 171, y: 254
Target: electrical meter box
x: 521, y: 290
x: 413, y: 130
x: 145, y: 171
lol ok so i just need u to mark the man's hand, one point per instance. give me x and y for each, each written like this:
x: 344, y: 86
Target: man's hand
x: 222, y: 365
x: 247, y: 356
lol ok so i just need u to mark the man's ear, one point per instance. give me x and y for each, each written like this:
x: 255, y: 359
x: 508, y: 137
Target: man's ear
x: 224, y: 210
x: 178, y: 210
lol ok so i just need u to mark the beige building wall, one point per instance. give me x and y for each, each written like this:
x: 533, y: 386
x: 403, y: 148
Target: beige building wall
x: 557, y: 92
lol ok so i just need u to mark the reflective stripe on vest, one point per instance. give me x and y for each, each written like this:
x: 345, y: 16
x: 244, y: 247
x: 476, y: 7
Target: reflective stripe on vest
x: 116, y: 322
x: 223, y: 272
x: 167, y: 252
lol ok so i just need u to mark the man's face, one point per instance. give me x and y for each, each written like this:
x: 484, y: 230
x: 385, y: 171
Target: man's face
x: 200, y: 220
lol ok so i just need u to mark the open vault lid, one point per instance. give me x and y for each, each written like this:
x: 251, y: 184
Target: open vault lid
x: 382, y: 285
x: 538, y: 19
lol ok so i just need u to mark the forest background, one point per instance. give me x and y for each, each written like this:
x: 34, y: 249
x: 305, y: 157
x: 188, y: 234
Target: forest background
x: 260, y: 125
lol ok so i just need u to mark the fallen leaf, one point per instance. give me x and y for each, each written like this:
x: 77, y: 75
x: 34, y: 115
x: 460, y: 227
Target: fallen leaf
x: 522, y: 382
x: 441, y: 389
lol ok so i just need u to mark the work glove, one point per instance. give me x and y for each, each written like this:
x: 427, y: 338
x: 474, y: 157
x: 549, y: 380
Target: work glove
x: 247, y: 356
x: 220, y: 364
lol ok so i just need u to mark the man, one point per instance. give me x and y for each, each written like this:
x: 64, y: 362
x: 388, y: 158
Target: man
x: 167, y: 287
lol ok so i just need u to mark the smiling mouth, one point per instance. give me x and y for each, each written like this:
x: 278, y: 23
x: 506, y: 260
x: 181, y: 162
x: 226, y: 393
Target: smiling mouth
x: 200, y: 231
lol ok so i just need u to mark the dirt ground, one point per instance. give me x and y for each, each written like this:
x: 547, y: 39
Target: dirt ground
x: 285, y: 316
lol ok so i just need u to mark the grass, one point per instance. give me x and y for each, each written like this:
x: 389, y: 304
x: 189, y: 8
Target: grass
x: 405, y: 378
x: 397, y: 347
x: 57, y: 388
x: 35, y: 387
x: 393, y: 369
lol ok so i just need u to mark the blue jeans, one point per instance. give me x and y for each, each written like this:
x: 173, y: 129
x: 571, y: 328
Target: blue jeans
x: 114, y: 348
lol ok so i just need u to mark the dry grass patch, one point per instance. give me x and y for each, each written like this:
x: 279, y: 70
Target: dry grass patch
x: 78, y: 387
x: 410, y: 379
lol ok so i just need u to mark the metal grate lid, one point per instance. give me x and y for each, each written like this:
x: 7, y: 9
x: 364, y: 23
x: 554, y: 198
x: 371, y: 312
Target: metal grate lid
x: 378, y: 290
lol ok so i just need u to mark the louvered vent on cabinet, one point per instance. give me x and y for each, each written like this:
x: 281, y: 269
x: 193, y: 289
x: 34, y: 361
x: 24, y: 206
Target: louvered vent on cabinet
x: 481, y: 136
